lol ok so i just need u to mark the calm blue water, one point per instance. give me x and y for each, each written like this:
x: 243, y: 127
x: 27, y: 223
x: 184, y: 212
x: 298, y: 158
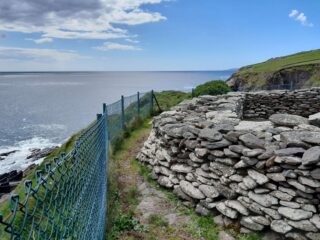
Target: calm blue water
x: 42, y: 109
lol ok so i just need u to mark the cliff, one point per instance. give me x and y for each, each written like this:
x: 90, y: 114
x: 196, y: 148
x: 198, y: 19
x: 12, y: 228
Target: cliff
x: 294, y: 71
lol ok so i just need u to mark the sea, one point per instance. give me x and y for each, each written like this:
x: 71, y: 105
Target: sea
x: 43, y: 109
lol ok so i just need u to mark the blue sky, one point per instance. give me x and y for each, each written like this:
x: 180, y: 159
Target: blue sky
x: 43, y: 35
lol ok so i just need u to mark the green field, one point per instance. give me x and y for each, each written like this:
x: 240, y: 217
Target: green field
x: 258, y: 75
x: 275, y: 64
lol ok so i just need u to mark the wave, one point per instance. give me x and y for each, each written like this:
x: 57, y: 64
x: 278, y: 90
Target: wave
x: 17, y: 160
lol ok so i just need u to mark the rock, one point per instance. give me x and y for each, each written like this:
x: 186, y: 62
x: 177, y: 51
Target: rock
x: 289, y: 152
x: 225, y: 236
x: 287, y: 120
x: 294, y: 214
x: 294, y: 138
x: 258, y: 177
x: 280, y: 226
x: 311, y: 156
x: 252, y: 125
x: 315, y: 119
x: 221, y: 207
x: 300, y: 186
x: 210, y: 135
x: 191, y: 191
x: 263, y: 199
x: 177, y: 190
x: 201, y: 152
x: 225, y: 191
x: 181, y: 168
x: 313, y: 236
x: 236, y: 205
x: 309, y: 182
x: 316, y: 220
x: 252, y: 152
x: 315, y: 174
x: 215, y: 145
x: 41, y: 153
x: 277, y: 177
x: 252, y: 141
x: 249, y: 223
x: 165, y: 182
x: 249, y: 182
x: 261, y: 220
x: 219, y: 220
x: 295, y: 236
x: 303, y: 225
x: 209, y: 191
x: 202, y: 210
x: 281, y: 195
x: 6, y: 154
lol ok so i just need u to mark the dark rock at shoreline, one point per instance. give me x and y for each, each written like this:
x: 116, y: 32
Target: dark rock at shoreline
x: 38, y: 153
x: 6, y: 154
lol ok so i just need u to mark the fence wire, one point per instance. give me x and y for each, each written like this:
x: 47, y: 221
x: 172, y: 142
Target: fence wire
x: 68, y: 198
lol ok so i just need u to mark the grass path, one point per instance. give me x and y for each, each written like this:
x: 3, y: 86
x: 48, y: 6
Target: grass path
x: 138, y: 208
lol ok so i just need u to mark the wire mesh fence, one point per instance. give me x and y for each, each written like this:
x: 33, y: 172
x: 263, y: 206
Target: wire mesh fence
x: 68, y: 198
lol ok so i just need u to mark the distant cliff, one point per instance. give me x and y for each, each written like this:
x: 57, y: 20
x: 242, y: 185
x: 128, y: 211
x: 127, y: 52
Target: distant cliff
x: 293, y: 71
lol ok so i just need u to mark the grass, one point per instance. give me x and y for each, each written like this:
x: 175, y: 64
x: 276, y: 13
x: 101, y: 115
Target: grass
x: 167, y: 99
x: 298, y: 59
x: 256, y: 75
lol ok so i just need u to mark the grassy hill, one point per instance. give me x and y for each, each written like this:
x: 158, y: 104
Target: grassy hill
x: 298, y: 70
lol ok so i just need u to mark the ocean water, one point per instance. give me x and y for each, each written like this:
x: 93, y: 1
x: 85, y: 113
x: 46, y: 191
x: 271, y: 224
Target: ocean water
x: 39, y: 110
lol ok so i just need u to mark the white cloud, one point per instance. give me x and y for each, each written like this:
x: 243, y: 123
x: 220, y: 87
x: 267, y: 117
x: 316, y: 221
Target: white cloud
x: 300, y: 17
x: 72, y: 19
x: 37, y: 54
x: 132, y: 40
x: 108, y: 46
x: 40, y: 40
x: 293, y: 13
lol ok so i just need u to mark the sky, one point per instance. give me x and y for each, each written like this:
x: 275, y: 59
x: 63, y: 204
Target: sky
x: 152, y: 35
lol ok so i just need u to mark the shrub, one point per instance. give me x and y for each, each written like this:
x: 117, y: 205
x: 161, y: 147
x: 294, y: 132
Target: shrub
x: 215, y: 87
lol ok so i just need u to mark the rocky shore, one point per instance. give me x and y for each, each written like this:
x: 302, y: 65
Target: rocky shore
x: 263, y: 175
x: 10, y: 180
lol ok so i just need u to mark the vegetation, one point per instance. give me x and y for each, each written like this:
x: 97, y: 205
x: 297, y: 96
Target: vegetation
x: 257, y: 75
x: 216, y: 87
x: 168, y: 99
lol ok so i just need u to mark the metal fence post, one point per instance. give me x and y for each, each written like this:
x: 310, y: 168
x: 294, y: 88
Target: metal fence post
x: 122, y: 112
x: 138, y: 103
x: 151, y: 103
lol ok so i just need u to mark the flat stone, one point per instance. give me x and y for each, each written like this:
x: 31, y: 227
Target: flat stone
x: 312, y: 140
x: 281, y: 195
x: 294, y: 214
x: 252, y: 141
x: 295, y: 236
x: 289, y: 151
x: 181, y: 168
x: 316, y: 220
x: 309, y: 182
x: 236, y: 205
x: 165, y: 182
x: 215, y: 145
x: 287, y: 120
x: 249, y: 182
x: 258, y: 177
x: 209, y: 191
x: 280, y: 226
x: 277, y: 177
x: 294, y: 138
x: 300, y: 186
x: 303, y: 225
x: 249, y: 223
x: 254, y: 125
x: 261, y: 220
x: 210, y: 134
x: 313, y: 236
x: 315, y: 119
x: 202, y: 210
x: 237, y: 148
x: 177, y: 190
x: 263, y: 199
x: 311, y: 156
x: 221, y: 207
x: 252, y: 152
x: 315, y: 173
x: 290, y: 204
x: 191, y: 191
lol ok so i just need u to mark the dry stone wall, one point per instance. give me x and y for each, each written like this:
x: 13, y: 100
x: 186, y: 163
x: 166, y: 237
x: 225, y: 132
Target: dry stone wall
x: 262, y: 175
x: 300, y: 102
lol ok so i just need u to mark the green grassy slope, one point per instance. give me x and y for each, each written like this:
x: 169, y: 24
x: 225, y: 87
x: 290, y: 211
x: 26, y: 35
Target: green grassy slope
x: 257, y: 75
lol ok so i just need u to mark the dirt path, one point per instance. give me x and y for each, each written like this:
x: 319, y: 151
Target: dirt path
x: 140, y: 209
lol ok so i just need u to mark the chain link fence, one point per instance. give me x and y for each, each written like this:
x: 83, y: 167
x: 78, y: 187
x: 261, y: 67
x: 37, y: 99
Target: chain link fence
x: 68, y: 198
